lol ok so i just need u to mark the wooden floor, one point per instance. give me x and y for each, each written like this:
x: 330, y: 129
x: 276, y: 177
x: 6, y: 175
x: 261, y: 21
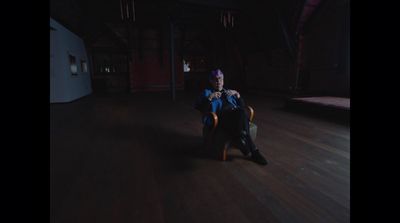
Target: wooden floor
x: 334, y: 102
x: 121, y: 159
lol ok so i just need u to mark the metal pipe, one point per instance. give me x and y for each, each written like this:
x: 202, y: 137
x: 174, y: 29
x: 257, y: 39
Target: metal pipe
x: 122, y: 12
x: 127, y: 9
x: 225, y: 21
x: 133, y: 10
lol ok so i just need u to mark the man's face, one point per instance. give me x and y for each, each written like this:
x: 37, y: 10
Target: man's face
x: 217, y: 82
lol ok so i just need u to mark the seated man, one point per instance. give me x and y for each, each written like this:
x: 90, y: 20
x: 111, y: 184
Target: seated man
x: 229, y: 107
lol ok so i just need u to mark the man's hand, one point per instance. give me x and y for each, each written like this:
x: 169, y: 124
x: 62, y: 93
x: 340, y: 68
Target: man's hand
x: 216, y: 94
x: 233, y: 92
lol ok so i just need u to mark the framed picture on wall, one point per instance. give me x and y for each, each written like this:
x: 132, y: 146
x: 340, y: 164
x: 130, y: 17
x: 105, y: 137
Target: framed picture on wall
x: 72, y: 64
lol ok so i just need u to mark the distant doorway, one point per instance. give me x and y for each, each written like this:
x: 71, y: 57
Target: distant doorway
x: 111, y: 72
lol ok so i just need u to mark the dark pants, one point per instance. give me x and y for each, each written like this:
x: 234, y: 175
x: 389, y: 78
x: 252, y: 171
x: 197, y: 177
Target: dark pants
x: 236, y: 124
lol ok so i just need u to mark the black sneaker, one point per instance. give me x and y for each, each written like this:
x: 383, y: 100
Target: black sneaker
x: 258, y: 158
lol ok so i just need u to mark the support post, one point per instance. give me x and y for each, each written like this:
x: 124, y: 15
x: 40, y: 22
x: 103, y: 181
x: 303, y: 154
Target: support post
x: 172, y: 59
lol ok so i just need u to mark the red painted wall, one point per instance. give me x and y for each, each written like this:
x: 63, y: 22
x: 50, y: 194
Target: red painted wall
x: 147, y: 73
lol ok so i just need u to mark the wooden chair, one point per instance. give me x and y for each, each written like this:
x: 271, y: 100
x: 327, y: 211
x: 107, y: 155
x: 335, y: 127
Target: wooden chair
x: 216, y: 140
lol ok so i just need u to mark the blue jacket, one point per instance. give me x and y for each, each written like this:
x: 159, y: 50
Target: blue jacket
x: 204, y: 105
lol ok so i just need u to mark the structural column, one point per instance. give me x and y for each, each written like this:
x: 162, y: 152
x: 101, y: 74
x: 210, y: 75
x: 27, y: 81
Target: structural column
x: 172, y: 59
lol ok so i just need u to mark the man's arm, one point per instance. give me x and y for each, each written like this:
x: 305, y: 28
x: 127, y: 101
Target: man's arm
x: 203, y: 103
x: 239, y: 100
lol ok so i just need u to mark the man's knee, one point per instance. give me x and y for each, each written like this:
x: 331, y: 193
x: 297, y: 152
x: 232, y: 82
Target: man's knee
x: 240, y: 113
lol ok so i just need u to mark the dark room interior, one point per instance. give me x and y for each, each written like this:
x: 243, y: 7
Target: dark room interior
x: 126, y: 143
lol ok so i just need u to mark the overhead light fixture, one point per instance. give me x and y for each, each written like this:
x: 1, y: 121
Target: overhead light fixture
x: 127, y: 8
x: 227, y: 19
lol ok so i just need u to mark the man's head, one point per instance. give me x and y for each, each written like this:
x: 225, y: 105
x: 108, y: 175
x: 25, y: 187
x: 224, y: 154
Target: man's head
x: 216, y: 79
